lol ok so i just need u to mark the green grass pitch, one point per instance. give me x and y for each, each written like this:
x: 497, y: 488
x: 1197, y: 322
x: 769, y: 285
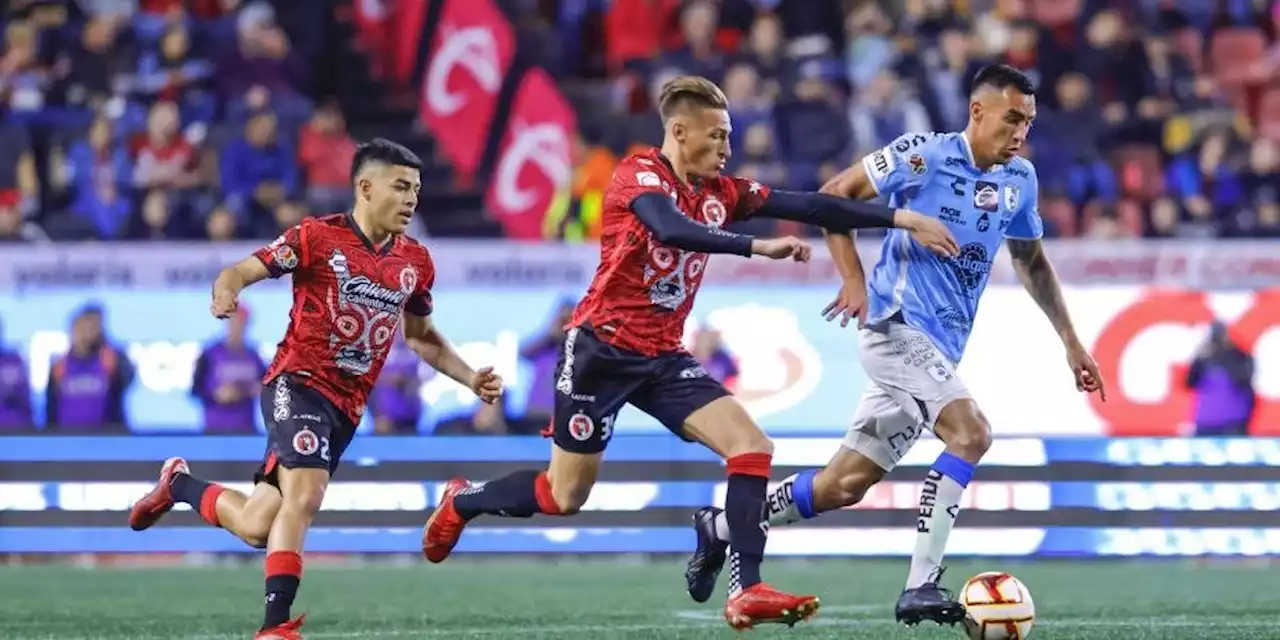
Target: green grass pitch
x: 612, y: 598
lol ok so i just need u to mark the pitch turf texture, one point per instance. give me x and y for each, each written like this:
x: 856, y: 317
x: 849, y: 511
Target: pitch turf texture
x: 604, y: 599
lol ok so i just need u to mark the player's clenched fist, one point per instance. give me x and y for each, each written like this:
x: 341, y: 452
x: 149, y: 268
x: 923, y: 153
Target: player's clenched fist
x: 779, y: 248
x: 224, y: 304
x: 487, y: 385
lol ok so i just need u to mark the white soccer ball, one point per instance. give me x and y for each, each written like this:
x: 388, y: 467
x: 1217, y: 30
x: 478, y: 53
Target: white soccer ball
x: 997, y: 607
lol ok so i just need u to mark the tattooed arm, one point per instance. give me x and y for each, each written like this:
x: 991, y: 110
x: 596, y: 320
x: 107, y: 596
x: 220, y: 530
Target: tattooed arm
x: 1040, y: 280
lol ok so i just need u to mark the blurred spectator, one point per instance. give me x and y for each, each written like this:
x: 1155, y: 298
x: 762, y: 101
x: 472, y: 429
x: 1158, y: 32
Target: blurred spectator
x: 758, y: 160
x: 747, y: 105
x: 542, y: 352
x: 488, y: 420
x: 994, y: 29
x: 871, y: 48
x: 699, y: 56
x: 101, y: 57
x: 709, y: 350
x: 15, y: 390
x: 884, y: 111
x: 258, y: 170
x: 1262, y: 189
x: 396, y: 403
x: 161, y: 218
x: 325, y: 151
x: 164, y: 159
x: 221, y: 225
x: 1221, y: 377
x: 764, y: 52
x: 1207, y: 183
x: 634, y: 31
x: 261, y: 56
x: 99, y: 176
x: 87, y: 385
x: 288, y: 214
x: 227, y: 380
x: 1165, y: 219
x: 172, y: 74
x: 948, y: 73
x: 12, y: 226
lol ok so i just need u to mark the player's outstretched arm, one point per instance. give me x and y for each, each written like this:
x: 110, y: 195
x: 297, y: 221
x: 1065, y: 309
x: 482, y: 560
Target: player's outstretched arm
x: 1041, y: 281
x: 672, y: 228
x: 421, y: 334
x: 233, y: 280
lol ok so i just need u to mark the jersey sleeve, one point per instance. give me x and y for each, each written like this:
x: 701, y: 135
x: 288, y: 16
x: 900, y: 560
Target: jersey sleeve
x: 289, y: 252
x: 1026, y: 223
x: 420, y: 302
x: 634, y: 177
x: 901, y: 164
x: 747, y: 196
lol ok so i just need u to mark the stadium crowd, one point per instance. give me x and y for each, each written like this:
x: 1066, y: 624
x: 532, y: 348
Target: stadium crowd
x: 1157, y: 118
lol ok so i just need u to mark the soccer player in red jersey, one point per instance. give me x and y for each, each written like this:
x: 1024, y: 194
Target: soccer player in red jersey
x: 663, y: 215
x: 356, y: 278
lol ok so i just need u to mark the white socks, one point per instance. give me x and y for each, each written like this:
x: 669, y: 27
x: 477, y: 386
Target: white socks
x: 939, y: 505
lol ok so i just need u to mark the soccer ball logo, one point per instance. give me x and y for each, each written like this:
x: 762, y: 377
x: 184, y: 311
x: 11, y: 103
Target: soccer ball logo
x: 713, y: 212
x: 997, y: 607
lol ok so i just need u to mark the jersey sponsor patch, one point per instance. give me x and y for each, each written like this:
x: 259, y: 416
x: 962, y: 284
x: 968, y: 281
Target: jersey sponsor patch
x: 286, y: 258
x: 986, y: 196
x: 648, y: 179
x: 1011, y: 197
x: 879, y: 165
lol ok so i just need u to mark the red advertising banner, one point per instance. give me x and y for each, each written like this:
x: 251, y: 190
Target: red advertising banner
x: 397, y: 40
x: 469, y: 58
x: 535, y: 161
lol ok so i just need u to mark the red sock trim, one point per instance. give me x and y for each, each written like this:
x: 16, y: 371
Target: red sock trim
x: 750, y: 464
x: 284, y: 563
x: 546, y: 499
x: 209, y: 504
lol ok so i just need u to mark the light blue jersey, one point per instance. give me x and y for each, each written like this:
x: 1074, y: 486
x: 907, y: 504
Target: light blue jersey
x: 934, y: 174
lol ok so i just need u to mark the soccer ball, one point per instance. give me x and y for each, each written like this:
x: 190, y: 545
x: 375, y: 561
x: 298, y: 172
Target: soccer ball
x: 997, y: 607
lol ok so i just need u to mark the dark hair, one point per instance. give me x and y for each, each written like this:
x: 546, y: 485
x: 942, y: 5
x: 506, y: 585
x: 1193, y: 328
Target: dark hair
x: 386, y: 152
x: 1002, y: 76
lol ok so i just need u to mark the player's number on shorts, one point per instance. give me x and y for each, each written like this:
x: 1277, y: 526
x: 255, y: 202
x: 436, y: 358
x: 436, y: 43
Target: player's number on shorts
x: 606, y: 428
x: 324, y: 449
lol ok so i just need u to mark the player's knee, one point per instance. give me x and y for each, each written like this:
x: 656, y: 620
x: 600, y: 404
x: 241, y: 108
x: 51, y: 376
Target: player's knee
x: 305, y: 500
x: 971, y: 440
x: 255, y: 539
x: 255, y: 532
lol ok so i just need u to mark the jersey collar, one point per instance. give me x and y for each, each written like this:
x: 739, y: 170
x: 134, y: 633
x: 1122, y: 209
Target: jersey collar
x: 350, y: 218
x: 968, y: 154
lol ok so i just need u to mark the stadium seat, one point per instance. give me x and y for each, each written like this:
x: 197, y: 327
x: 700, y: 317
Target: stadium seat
x: 1269, y: 115
x: 1233, y: 53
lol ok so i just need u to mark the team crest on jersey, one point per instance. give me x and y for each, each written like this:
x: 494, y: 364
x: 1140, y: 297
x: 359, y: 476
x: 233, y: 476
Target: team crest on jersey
x: 917, y: 164
x: 286, y: 257
x: 713, y: 211
x: 648, y: 179
x: 305, y: 442
x: 986, y: 196
x: 581, y: 427
x: 1011, y: 197
x: 408, y: 280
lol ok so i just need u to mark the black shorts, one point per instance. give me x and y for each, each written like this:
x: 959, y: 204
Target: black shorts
x: 595, y: 379
x: 304, y: 429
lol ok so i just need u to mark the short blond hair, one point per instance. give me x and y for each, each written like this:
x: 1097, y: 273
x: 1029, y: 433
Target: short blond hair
x: 686, y: 91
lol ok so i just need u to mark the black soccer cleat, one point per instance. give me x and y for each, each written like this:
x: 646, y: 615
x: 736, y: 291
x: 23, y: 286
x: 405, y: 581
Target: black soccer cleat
x: 929, y: 602
x: 707, y: 561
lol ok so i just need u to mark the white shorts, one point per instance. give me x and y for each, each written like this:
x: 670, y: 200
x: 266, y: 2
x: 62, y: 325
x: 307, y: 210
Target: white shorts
x: 913, y: 382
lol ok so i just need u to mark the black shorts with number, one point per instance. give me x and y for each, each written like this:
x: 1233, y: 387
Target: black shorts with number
x: 304, y: 429
x: 595, y: 379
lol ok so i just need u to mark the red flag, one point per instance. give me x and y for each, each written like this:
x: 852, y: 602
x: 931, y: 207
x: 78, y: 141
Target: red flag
x: 470, y: 56
x: 406, y: 26
x: 535, y: 161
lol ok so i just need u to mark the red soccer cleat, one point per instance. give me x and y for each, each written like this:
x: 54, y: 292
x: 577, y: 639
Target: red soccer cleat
x: 445, y: 526
x: 283, y: 631
x: 761, y: 603
x: 150, y: 508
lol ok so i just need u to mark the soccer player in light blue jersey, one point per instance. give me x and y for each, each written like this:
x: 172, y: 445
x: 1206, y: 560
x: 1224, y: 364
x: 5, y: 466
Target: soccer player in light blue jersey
x: 916, y: 312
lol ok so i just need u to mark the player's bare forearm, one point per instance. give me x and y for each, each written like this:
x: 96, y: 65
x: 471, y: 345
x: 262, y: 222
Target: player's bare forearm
x: 236, y: 277
x: 853, y: 183
x: 1038, y: 277
x: 844, y: 252
x: 425, y: 339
